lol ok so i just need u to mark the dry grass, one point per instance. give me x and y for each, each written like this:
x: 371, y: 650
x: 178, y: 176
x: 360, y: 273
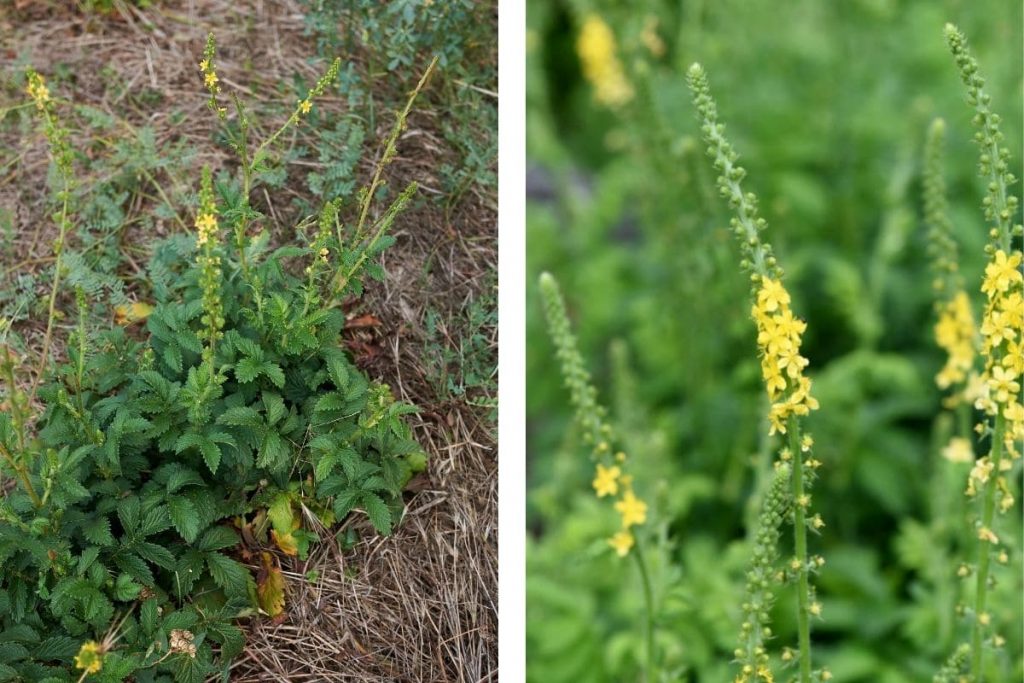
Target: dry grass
x: 420, y: 605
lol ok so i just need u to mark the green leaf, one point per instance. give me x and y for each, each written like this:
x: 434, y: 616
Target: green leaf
x: 274, y: 452
x: 217, y: 538
x: 156, y: 554
x: 280, y: 514
x: 184, y: 517
x: 274, y: 373
x: 229, y: 574
x: 133, y: 565
x: 149, y: 616
x: 97, y: 531
x: 378, y: 512
x: 230, y: 637
x: 339, y: 373
x: 129, y: 512
x: 181, y: 477
x: 240, y: 416
x: 125, y: 589
x: 324, y: 465
x: 331, y: 401
x: 274, y: 406
x: 247, y: 370
x: 345, y: 501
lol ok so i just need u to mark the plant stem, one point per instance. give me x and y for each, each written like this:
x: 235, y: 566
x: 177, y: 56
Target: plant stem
x: 22, y: 472
x: 800, y: 546
x: 984, y: 551
x: 51, y: 311
x: 649, y: 670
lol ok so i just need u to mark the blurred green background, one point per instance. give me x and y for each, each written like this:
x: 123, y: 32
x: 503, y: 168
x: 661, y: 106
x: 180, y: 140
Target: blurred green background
x: 828, y: 103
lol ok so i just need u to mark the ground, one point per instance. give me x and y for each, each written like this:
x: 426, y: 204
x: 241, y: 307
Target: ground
x: 420, y: 605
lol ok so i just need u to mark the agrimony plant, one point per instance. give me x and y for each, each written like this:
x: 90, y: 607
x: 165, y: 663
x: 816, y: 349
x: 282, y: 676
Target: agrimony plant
x: 1002, y: 348
x: 778, y: 338
x: 611, y: 478
x: 236, y: 427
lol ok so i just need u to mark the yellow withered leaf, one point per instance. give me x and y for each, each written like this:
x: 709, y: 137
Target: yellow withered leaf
x: 270, y: 586
x: 288, y: 544
x: 132, y: 313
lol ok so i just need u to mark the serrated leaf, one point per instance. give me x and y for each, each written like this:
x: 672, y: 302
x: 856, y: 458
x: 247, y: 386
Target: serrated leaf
x: 227, y: 573
x: 331, y: 401
x: 134, y: 566
x: 247, y: 370
x: 324, y: 465
x: 129, y: 512
x: 274, y: 406
x: 274, y: 452
x: 339, y: 373
x: 345, y: 501
x: 149, y: 616
x: 230, y: 637
x: 281, y: 514
x: 182, y: 477
x: 184, y: 517
x: 97, y: 531
x: 217, y: 538
x: 125, y: 588
x: 156, y: 554
x: 240, y: 416
x: 274, y: 373
x: 378, y: 512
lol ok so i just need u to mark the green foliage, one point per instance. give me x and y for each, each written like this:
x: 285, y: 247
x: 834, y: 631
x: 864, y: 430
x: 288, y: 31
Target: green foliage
x: 828, y: 103
x: 460, y: 353
x: 236, y: 408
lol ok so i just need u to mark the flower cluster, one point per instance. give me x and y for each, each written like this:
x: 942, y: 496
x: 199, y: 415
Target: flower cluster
x: 1003, y: 345
x: 1001, y: 339
x: 37, y: 90
x: 306, y: 104
x: 90, y: 657
x: 779, y: 335
x: 208, y: 240
x: 601, y: 66
x: 778, y: 340
x: 610, y: 479
x: 955, y: 333
x: 210, y: 79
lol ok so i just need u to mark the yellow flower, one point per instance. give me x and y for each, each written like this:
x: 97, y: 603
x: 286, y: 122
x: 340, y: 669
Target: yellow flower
x: 606, y: 482
x: 958, y: 450
x: 90, y: 657
x: 792, y: 362
x: 601, y: 67
x: 622, y: 541
x: 204, y: 65
x: 1002, y: 383
x: 815, y: 608
x: 210, y: 79
x: 772, y: 295
x: 997, y: 328
x: 206, y: 224
x: 632, y: 509
x: 985, y: 534
x: 305, y: 106
x: 1002, y: 272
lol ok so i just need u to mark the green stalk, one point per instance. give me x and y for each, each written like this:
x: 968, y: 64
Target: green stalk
x: 984, y: 551
x: 649, y: 668
x: 800, y: 546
